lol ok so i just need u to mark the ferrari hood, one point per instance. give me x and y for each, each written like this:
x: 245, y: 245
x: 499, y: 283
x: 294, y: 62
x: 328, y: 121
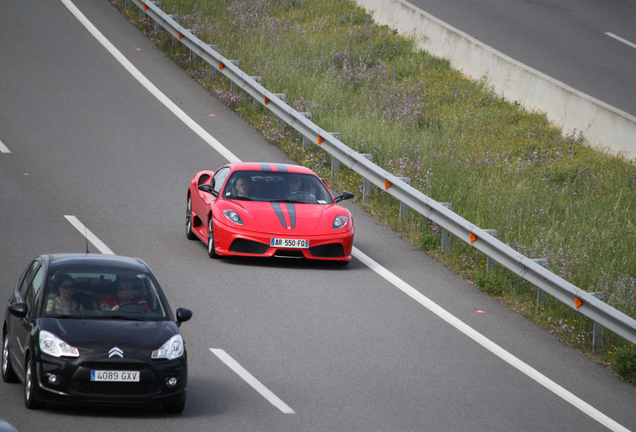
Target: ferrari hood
x: 285, y: 218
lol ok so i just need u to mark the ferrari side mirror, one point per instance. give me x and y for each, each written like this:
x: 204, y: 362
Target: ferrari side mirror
x: 344, y: 196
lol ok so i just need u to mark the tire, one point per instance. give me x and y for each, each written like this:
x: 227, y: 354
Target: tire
x: 8, y: 374
x: 188, y: 224
x: 174, y: 409
x: 211, y: 252
x: 29, y: 384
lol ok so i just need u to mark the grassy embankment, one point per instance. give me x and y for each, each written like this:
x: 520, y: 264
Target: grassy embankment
x: 502, y: 167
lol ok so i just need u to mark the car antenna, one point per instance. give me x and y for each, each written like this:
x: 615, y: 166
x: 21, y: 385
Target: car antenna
x: 86, y: 238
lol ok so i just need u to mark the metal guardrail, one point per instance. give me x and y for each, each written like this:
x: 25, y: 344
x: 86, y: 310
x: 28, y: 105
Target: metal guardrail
x: 575, y: 298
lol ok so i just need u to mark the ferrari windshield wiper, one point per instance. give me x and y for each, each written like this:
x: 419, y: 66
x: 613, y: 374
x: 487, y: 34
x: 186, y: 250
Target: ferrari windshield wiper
x: 236, y: 197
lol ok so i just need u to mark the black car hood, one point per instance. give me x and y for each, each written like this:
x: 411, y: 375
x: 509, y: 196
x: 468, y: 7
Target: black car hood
x: 97, y: 337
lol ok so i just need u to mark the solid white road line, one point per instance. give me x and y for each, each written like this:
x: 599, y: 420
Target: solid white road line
x: 3, y: 148
x: 249, y: 378
x: 620, y: 39
x: 488, y: 344
x: 150, y: 86
x: 89, y: 235
x: 407, y: 289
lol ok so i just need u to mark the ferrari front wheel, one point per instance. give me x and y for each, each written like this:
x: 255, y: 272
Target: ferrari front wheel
x: 211, y: 252
x: 188, y: 223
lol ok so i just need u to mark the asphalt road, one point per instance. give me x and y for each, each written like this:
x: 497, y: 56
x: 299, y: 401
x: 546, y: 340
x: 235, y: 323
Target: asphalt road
x: 344, y: 349
x: 590, y: 45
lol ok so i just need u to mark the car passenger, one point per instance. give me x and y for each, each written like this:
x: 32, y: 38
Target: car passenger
x: 124, y: 294
x: 64, y: 286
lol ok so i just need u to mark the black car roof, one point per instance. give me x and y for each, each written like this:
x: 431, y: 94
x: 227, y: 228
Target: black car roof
x: 96, y: 260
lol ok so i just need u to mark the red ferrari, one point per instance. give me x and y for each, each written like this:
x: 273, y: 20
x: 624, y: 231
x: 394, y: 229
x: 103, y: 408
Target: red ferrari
x: 267, y: 209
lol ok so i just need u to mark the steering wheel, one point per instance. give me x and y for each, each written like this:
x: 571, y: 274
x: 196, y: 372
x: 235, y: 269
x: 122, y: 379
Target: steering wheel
x: 132, y: 306
x: 310, y: 197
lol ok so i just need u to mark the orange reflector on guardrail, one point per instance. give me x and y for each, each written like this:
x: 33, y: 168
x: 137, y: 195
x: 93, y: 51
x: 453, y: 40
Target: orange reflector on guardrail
x: 578, y: 302
x: 180, y: 35
x: 221, y: 66
x: 386, y: 184
x: 320, y: 139
x: 145, y: 7
x: 266, y: 101
x: 473, y: 237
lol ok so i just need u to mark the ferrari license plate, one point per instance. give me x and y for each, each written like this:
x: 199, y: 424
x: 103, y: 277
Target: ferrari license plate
x: 115, y: 376
x: 289, y: 243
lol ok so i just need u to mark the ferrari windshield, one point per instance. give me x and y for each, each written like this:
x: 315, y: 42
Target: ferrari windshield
x: 85, y: 293
x: 276, y: 186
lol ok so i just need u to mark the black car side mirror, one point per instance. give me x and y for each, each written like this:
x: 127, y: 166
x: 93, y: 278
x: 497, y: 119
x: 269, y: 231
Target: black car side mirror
x: 183, y: 315
x: 18, y: 309
x: 344, y: 196
x: 209, y: 189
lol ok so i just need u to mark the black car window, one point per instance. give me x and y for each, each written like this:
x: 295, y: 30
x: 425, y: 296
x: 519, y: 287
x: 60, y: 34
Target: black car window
x: 35, y: 287
x: 136, y: 295
x: 27, y: 277
x: 219, y: 178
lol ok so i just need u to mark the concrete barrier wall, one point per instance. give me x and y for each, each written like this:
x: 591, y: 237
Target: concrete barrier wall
x: 602, y: 125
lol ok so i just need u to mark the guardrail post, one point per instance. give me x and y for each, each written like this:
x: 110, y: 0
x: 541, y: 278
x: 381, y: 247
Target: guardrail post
x: 127, y: 4
x: 597, y: 330
x: 212, y: 68
x: 404, y: 209
x: 335, y: 163
x: 233, y: 87
x: 158, y: 4
x: 195, y: 33
x: 259, y: 80
x: 490, y: 262
x: 282, y: 97
x: 541, y: 295
x: 446, y: 235
x: 366, y: 184
x: 306, y: 141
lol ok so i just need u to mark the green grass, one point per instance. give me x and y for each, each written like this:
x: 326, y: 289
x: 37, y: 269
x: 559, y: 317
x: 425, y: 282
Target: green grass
x: 502, y: 167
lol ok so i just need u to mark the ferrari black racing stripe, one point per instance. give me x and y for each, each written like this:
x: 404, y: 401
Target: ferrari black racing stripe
x: 279, y: 212
x: 281, y: 168
x: 265, y: 167
x: 291, y: 209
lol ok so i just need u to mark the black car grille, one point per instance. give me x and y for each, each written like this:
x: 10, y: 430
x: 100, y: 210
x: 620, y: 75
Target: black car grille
x: 331, y: 250
x: 113, y: 388
x: 248, y: 247
x: 113, y: 366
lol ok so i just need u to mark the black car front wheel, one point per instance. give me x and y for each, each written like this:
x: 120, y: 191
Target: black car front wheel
x: 29, y: 384
x: 8, y: 374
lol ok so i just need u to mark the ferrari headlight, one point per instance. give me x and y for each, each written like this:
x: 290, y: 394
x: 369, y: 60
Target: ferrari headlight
x: 56, y: 347
x: 340, y: 222
x: 233, y: 216
x: 171, y: 350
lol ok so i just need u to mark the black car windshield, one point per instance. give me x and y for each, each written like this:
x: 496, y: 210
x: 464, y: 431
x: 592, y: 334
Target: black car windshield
x: 277, y: 186
x: 80, y: 293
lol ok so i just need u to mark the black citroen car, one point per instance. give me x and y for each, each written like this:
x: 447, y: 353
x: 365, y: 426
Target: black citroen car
x: 94, y: 329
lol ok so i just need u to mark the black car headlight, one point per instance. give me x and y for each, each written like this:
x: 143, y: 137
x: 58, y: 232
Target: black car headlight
x: 340, y: 222
x: 171, y: 350
x: 233, y: 216
x: 56, y: 347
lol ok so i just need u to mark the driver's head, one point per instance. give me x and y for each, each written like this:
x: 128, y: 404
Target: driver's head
x: 242, y: 185
x: 124, y: 284
x: 293, y: 183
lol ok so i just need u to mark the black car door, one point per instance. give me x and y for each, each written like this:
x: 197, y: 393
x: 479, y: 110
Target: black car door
x: 19, y: 329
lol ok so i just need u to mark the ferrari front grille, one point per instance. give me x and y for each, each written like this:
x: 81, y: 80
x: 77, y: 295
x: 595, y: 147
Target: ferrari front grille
x: 248, y: 247
x: 331, y: 250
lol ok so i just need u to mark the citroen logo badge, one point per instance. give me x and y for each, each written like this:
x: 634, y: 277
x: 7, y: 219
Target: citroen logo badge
x: 114, y: 351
